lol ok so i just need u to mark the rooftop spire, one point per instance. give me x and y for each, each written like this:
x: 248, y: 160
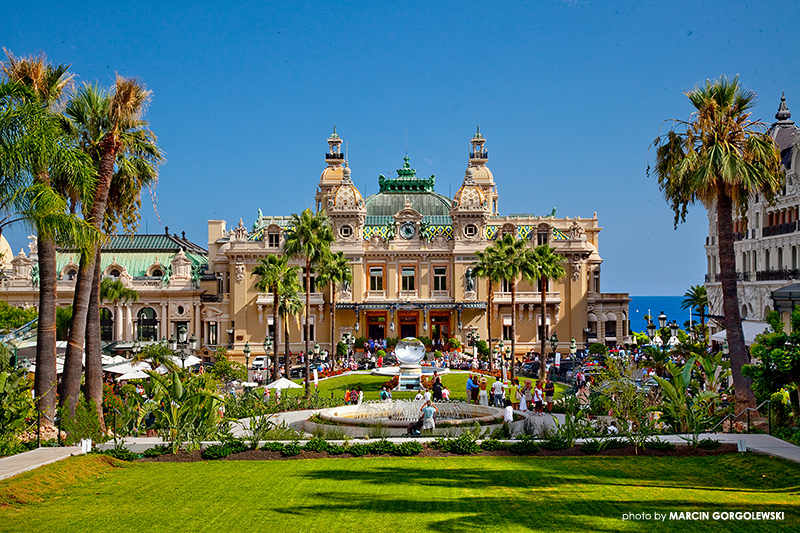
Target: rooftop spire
x: 478, y: 133
x: 783, y: 111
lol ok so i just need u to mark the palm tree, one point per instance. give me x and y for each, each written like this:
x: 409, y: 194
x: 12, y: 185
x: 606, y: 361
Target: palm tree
x: 34, y: 152
x: 545, y: 265
x: 488, y: 267
x: 513, y: 261
x: 289, y: 305
x: 309, y: 237
x: 274, y: 270
x: 720, y: 157
x: 697, y: 298
x: 113, y: 291
x: 109, y: 128
x: 332, y: 270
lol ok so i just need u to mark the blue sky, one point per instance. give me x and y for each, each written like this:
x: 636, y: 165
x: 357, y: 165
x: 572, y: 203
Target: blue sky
x: 569, y: 95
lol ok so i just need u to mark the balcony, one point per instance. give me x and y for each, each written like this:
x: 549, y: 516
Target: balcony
x: 480, y: 154
x: 407, y: 295
x: 440, y: 295
x: 376, y: 295
x: 740, y: 276
x: 553, y: 297
x: 780, y: 229
x: 315, y: 298
x: 211, y: 298
x: 334, y: 155
x: 777, y: 275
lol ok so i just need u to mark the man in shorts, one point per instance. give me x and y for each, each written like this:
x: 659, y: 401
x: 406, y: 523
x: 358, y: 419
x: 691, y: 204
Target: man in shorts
x: 549, y: 391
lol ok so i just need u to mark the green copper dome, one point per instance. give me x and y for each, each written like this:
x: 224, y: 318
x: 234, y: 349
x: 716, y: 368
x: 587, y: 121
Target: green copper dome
x: 407, y: 186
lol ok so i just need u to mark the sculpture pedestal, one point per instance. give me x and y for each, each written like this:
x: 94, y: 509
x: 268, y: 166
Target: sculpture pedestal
x: 409, y: 377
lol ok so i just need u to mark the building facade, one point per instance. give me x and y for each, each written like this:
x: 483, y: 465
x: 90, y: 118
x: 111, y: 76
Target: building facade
x: 165, y: 270
x: 412, y: 251
x: 767, y: 240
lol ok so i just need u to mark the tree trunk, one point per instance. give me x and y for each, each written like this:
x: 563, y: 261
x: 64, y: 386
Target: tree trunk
x: 71, y: 381
x: 513, y: 328
x: 45, y: 378
x: 334, y: 344
x: 93, y: 386
x: 542, y: 356
x: 288, y: 363
x: 730, y: 302
x: 73, y: 360
x: 489, y: 300
x: 308, y: 312
x: 276, y: 375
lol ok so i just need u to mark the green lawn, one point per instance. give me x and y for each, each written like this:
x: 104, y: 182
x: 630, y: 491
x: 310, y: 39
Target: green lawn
x: 457, y: 383
x: 403, y: 494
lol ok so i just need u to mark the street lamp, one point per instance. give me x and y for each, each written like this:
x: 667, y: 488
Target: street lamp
x: 554, y: 342
x: 136, y: 349
x: 673, y: 329
x: 229, y: 331
x: 586, y: 332
x: 573, y: 347
x: 247, y: 358
x: 181, y: 344
x: 651, y: 330
x: 662, y: 320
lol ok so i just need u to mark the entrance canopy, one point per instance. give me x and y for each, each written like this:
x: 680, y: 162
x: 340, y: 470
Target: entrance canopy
x: 751, y: 328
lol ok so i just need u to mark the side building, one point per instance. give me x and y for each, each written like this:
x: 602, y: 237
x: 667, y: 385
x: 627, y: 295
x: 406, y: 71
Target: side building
x: 411, y: 251
x: 767, y: 242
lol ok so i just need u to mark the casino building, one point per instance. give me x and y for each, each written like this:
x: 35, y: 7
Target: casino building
x: 411, y: 250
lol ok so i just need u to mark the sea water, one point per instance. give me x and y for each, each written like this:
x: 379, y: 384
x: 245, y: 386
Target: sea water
x: 654, y: 305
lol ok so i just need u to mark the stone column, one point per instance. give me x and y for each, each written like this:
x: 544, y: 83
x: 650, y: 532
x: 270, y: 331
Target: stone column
x: 164, y: 322
x: 128, y: 326
x: 118, y: 323
x: 197, y: 322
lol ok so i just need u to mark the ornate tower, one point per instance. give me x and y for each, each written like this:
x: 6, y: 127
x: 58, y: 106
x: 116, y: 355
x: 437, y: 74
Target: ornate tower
x: 478, y: 156
x: 333, y: 173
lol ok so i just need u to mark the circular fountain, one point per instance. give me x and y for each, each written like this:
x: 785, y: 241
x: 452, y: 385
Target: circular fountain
x: 395, y: 417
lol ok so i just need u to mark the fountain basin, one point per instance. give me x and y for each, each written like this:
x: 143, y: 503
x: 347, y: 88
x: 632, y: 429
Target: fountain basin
x: 401, y: 414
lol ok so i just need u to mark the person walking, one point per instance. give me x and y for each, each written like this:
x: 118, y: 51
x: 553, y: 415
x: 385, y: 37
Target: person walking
x: 514, y: 394
x: 483, y: 395
x: 538, y: 398
x: 497, y: 393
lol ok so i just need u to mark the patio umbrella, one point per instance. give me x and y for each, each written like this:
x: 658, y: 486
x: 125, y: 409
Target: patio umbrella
x: 137, y: 374
x: 283, y: 383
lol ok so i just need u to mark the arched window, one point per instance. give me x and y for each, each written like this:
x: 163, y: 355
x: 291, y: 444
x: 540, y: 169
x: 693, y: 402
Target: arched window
x: 157, y: 273
x: 71, y: 274
x: 147, y: 324
x: 115, y: 273
x: 106, y: 325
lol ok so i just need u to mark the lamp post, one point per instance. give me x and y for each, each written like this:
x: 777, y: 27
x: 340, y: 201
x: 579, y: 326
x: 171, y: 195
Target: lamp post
x: 136, y: 349
x: 181, y: 344
x: 229, y: 331
x: 247, y: 358
x: 586, y: 332
x: 554, y: 343
x: 267, y: 349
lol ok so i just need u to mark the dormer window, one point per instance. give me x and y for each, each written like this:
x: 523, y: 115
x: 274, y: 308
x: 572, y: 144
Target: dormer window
x: 274, y: 240
x: 71, y: 274
x: 115, y: 273
x: 157, y: 273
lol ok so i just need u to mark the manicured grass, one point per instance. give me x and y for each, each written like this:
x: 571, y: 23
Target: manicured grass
x: 371, y: 385
x: 410, y: 494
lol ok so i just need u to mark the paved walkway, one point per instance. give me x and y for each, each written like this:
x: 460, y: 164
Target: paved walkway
x: 22, y: 462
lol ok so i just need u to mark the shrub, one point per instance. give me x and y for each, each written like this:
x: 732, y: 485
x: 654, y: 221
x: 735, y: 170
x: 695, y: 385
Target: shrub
x: 524, y: 447
x: 598, y: 348
x: 660, y: 445
x: 494, y: 444
x: 155, y: 451
x: 336, y: 449
x: 237, y: 446
x: 598, y: 445
x: 273, y: 446
x: 555, y: 442
x: 316, y: 444
x: 215, y: 451
x: 358, y: 450
x: 708, y: 444
x: 122, y: 453
x: 408, y: 448
x: 291, y: 449
x: 381, y: 447
x: 378, y: 431
x: 464, y: 444
x: 84, y: 425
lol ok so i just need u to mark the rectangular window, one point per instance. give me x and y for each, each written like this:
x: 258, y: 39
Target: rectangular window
x: 274, y: 240
x: 611, y: 328
x: 794, y: 257
x: 212, y: 334
x: 376, y: 278
x: 310, y: 331
x: 408, y: 274
x: 440, y: 278
x: 541, y: 238
x: 780, y: 258
x: 312, y: 283
x: 505, y: 286
x: 596, y: 281
x: 506, y: 327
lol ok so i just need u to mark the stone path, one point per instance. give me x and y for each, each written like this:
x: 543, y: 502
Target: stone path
x: 22, y: 462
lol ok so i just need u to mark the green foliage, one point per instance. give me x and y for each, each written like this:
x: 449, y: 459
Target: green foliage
x: 358, y: 344
x: 684, y: 411
x: 156, y: 451
x: 525, y: 446
x: 599, y: 444
x: 598, y: 348
x: 391, y: 342
x: 378, y: 431
x: 464, y: 444
x: 341, y: 349
x: 483, y: 348
x: 437, y: 354
x: 122, y: 453
x: 226, y: 370
x: 316, y: 444
x: 63, y: 322
x: 777, y: 357
x: 407, y: 448
x: 292, y: 449
x: 708, y: 444
x: 659, y: 444
x: 575, y: 425
x: 493, y: 444
x: 84, y: 425
x: 336, y: 449
x: 12, y: 317
x: 358, y: 450
x: 454, y: 343
x: 16, y: 406
x: 380, y: 353
x: 273, y: 446
x: 555, y: 442
x: 186, y: 408
x: 381, y: 447
x: 215, y: 451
